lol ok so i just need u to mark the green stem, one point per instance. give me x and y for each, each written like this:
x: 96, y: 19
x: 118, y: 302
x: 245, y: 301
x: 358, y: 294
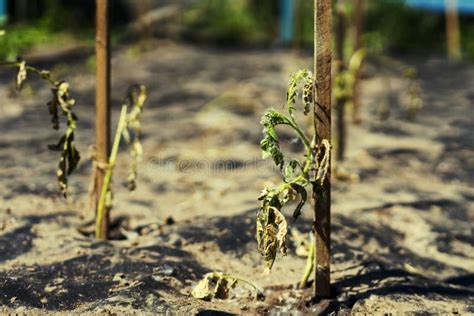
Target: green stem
x: 309, y: 265
x: 108, y: 173
x: 42, y: 73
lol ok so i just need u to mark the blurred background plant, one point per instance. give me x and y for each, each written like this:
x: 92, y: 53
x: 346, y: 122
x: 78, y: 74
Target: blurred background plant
x: 389, y: 25
x: 227, y: 22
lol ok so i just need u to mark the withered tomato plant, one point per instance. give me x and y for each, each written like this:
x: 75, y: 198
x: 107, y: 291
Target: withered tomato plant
x: 128, y: 129
x: 297, y: 174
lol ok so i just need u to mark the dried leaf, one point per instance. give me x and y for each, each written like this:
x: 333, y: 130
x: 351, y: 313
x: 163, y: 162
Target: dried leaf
x: 61, y: 100
x: 73, y: 156
x: 203, y: 290
x: 70, y: 156
x: 306, y: 77
x: 59, y: 146
x: 266, y: 239
x: 61, y: 174
x: 304, y: 197
x: 221, y: 290
x: 68, y: 160
x: 282, y: 225
x: 213, y: 285
x: 218, y: 285
x: 308, y: 95
x: 21, y: 75
x: 53, y: 111
x: 271, y: 227
x: 136, y: 97
x: 266, y: 232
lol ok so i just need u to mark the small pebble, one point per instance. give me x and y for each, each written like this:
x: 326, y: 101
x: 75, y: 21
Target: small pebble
x: 170, y: 220
x: 175, y: 240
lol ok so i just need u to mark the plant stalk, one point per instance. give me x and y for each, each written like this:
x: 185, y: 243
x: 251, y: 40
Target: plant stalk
x: 108, y: 173
x: 42, y: 73
x: 309, y: 265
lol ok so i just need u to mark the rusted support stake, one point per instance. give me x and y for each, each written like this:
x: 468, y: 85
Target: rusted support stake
x: 102, y: 101
x: 322, y: 125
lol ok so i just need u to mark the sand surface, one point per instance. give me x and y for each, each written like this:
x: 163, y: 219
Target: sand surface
x: 402, y: 236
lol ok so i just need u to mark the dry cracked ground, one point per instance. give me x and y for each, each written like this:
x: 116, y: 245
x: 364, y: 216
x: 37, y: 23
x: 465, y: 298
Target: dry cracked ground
x: 402, y: 228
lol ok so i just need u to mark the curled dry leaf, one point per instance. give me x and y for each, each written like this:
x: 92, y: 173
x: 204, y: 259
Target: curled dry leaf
x: 304, y: 197
x: 218, y: 285
x: 61, y: 102
x: 302, y: 76
x: 308, y: 94
x: 213, y: 285
x: 266, y: 243
x: 70, y: 156
x: 282, y: 225
x: 271, y: 228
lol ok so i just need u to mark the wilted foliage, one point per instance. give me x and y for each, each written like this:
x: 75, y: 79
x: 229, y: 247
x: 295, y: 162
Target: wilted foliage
x: 60, y: 105
x: 69, y: 154
x: 136, y: 97
x: 270, y: 222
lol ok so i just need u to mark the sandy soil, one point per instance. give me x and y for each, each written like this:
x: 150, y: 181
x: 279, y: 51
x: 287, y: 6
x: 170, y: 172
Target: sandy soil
x: 402, y: 236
